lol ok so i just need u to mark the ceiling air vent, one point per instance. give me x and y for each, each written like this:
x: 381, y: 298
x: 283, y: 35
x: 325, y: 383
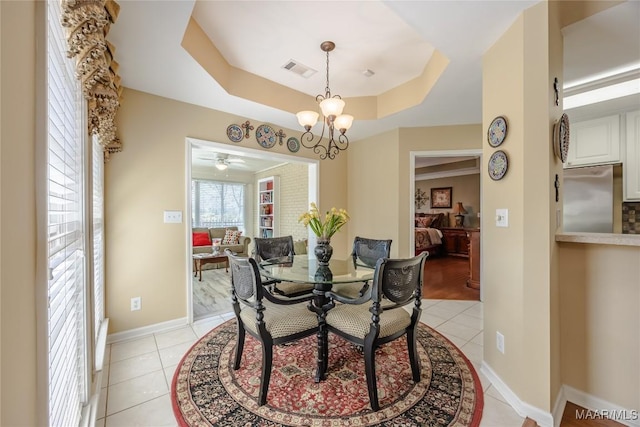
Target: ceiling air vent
x: 299, y: 69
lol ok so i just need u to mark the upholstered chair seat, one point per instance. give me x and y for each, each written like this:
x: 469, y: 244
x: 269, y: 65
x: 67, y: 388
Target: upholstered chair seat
x: 280, y: 320
x: 356, y: 320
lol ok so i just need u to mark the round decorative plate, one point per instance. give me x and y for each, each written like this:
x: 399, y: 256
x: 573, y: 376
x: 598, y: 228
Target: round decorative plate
x: 266, y: 136
x: 498, y: 165
x: 561, y: 138
x: 293, y: 144
x: 235, y: 133
x: 497, y: 131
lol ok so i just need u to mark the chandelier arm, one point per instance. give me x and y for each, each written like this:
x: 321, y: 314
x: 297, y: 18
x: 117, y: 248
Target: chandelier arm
x: 317, y: 147
x: 344, y: 141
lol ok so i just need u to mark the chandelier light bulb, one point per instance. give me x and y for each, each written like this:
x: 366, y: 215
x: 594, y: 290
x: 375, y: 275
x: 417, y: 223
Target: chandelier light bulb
x: 343, y: 122
x: 332, y: 107
x: 307, y: 119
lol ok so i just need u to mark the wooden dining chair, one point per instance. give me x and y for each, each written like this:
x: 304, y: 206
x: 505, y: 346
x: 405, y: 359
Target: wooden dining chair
x: 269, y: 319
x: 369, y: 323
x: 276, y: 247
x: 366, y: 252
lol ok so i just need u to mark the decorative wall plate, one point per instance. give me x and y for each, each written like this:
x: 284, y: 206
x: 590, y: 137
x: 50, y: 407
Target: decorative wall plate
x: 498, y: 165
x: 235, y: 133
x: 561, y: 138
x: 265, y: 136
x: 293, y: 144
x: 497, y: 131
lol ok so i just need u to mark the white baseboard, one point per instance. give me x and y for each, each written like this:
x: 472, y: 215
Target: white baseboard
x: 628, y: 417
x: 598, y: 407
x: 147, y: 330
x: 543, y: 418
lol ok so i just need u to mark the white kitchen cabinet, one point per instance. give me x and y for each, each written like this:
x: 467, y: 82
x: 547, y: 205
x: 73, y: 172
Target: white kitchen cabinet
x: 631, y: 168
x: 594, y: 142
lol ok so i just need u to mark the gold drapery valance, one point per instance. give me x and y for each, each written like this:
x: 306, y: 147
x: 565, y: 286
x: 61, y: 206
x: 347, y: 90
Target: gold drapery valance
x: 87, y: 23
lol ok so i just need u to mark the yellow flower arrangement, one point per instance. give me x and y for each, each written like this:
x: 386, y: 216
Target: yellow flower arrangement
x: 333, y: 221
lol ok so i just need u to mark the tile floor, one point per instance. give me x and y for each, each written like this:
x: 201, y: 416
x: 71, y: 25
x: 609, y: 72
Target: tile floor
x: 138, y: 377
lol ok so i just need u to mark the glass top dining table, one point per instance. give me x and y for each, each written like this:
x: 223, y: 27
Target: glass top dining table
x: 303, y: 269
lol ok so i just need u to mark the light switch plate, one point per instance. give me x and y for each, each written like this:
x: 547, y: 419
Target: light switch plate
x: 174, y: 217
x: 502, y: 217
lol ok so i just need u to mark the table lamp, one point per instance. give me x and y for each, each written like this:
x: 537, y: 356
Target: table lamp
x: 459, y: 210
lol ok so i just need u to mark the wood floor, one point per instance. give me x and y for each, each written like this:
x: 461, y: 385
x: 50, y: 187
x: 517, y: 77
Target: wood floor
x: 446, y: 278
x: 577, y: 416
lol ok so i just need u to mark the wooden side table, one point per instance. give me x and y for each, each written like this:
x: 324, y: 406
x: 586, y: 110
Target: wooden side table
x: 203, y: 259
x: 456, y: 242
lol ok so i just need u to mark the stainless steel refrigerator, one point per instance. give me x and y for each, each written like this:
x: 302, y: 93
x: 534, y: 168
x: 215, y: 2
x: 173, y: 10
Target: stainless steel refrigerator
x: 588, y: 199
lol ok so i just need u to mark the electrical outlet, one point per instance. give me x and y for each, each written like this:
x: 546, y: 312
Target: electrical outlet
x: 500, y: 342
x: 136, y: 303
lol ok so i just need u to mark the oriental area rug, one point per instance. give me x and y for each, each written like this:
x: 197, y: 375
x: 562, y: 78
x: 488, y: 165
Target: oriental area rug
x: 206, y: 391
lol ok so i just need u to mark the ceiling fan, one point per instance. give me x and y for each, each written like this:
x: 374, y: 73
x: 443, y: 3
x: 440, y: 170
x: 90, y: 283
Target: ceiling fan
x: 223, y: 162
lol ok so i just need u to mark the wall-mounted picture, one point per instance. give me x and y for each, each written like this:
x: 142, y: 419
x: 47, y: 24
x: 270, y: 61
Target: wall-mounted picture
x: 441, y: 197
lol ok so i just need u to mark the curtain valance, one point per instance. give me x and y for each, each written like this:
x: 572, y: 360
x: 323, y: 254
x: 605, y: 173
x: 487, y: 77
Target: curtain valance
x: 87, y: 23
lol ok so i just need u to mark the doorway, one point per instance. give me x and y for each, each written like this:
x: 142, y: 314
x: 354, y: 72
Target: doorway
x: 212, y: 164
x: 456, y: 174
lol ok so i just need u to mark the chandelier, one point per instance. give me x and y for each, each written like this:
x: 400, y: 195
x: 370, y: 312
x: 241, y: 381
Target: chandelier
x: 331, y: 107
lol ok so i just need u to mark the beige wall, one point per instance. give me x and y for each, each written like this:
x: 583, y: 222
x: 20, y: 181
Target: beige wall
x: 519, y: 279
x: 465, y: 189
x: 18, y: 345
x: 372, y: 183
x: 145, y: 257
x: 600, y: 320
x: 293, y: 199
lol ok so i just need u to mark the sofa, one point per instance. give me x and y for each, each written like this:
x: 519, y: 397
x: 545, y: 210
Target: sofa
x: 241, y: 248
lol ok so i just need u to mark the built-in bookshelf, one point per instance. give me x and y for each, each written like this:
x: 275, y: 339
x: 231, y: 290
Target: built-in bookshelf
x: 268, y: 214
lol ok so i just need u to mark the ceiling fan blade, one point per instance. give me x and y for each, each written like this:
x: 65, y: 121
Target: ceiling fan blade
x: 234, y: 160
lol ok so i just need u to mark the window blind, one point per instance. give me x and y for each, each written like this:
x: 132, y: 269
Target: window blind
x: 217, y: 204
x: 65, y: 227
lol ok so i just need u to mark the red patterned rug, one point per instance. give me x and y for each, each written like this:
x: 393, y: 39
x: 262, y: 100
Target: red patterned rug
x: 207, y: 391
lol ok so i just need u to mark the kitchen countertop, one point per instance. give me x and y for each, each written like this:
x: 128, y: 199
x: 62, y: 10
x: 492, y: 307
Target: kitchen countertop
x: 599, y: 238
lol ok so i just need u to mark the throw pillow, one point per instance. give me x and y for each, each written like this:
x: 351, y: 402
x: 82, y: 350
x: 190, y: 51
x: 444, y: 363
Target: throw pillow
x: 300, y: 247
x: 201, y: 239
x: 231, y: 237
x: 424, y: 222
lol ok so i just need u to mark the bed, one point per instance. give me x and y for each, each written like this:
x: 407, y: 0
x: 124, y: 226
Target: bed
x: 428, y: 237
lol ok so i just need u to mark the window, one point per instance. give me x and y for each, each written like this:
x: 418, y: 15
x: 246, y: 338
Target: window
x: 74, y: 324
x: 217, y: 204
x: 97, y: 237
x: 67, y: 345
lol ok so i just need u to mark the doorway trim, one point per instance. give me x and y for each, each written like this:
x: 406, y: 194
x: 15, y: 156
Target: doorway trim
x: 475, y: 152
x: 313, y: 191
